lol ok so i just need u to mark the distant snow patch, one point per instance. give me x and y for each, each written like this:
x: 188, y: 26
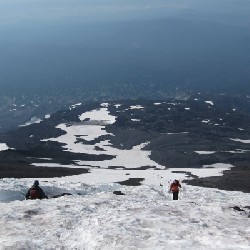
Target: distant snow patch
x: 86, y: 132
x: 173, y: 103
x: 209, y: 102
x: 237, y: 151
x: 105, y: 104
x: 54, y: 165
x: 100, y: 115
x: 205, y: 152
x: 240, y: 129
x: 33, y: 120
x: 75, y: 105
x: 3, y: 146
x: 117, y: 105
x: 47, y: 116
x: 135, y: 120
x: 177, y: 133
x: 74, y: 132
x: 205, y: 121
x: 136, y: 107
x: 211, y: 170
x: 130, y: 158
x: 239, y: 140
x: 157, y: 103
x: 187, y: 108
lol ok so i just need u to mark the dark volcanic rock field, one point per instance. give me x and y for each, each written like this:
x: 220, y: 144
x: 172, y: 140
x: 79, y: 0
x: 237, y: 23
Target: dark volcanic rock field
x: 201, y: 130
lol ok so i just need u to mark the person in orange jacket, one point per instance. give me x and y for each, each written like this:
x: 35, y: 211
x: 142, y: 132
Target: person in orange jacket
x: 175, y: 188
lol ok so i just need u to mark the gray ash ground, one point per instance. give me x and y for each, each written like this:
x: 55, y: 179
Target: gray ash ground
x: 174, y: 128
x: 236, y: 179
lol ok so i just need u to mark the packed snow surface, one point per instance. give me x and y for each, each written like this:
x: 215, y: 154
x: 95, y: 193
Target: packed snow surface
x: 145, y: 217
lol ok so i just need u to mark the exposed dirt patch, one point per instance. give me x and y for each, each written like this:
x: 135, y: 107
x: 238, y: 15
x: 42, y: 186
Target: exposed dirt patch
x: 26, y: 171
x: 132, y: 182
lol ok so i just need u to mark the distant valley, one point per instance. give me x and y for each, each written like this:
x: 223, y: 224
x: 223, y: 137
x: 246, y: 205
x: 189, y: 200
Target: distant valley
x: 201, y: 130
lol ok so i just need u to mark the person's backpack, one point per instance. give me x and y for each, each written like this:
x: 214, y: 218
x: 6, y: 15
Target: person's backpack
x: 34, y: 194
x: 174, y: 188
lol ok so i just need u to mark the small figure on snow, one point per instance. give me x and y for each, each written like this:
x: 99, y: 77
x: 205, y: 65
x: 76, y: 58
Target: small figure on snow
x: 35, y: 192
x: 174, y: 188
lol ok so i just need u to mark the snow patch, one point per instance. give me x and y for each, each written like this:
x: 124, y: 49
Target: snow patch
x: 209, y: 102
x: 75, y: 132
x: 3, y: 147
x: 239, y: 140
x: 136, y: 107
x: 33, y: 120
x: 205, y: 152
x: 117, y: 105
x: 104, y: 104
x: 73, y: 106
x: 98, y: 114
x: 130, y: 158
x: 205, y: 121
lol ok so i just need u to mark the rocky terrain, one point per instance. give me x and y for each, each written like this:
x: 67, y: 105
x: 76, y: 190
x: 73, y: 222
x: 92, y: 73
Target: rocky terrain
x: 199, y: 131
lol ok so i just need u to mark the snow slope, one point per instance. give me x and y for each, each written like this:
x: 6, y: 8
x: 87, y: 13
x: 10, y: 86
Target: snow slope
x: 144, y: 218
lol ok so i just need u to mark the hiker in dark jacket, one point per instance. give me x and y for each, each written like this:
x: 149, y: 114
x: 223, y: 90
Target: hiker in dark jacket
x: 35, y: 192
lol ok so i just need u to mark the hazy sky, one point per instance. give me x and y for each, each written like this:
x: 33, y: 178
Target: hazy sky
x: 229, y: 11
x: 67, y: 41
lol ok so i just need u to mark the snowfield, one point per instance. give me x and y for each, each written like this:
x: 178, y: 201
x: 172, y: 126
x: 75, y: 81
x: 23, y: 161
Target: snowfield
x: 145, y: 217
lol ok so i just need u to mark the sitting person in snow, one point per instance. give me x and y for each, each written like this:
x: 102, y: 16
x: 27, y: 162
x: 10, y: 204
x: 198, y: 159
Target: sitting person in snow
x: 174, y: 188
x: 35, y: 192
